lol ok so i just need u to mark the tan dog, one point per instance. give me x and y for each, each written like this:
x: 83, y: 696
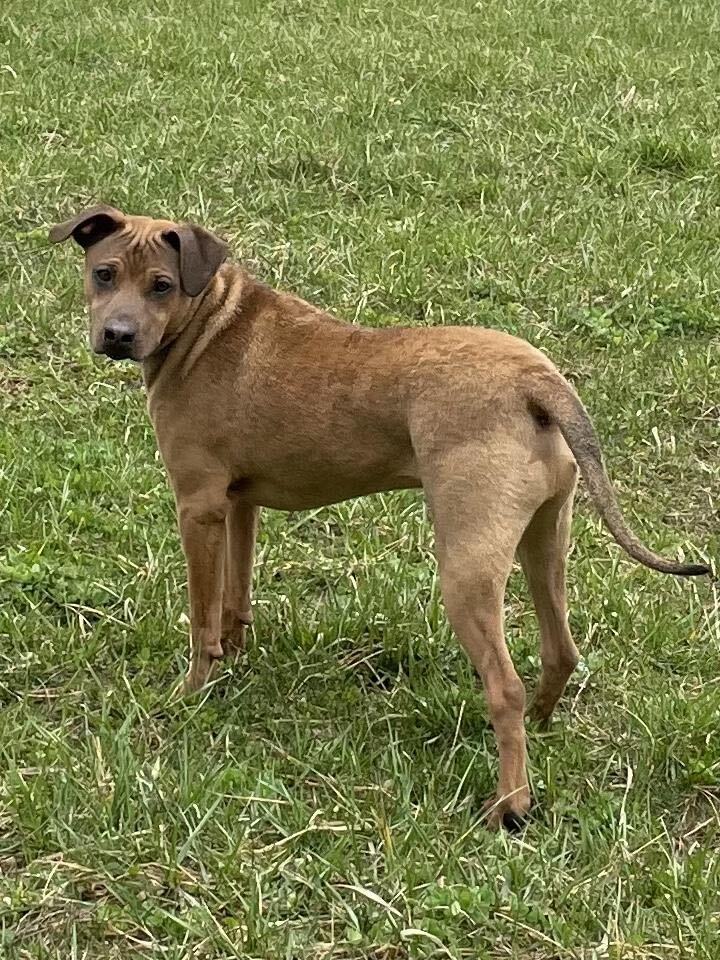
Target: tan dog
x: 259, y: 399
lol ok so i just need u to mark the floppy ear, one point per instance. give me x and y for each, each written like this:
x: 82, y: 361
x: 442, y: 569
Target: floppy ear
x: 89, y: 226
x: 200, y: 252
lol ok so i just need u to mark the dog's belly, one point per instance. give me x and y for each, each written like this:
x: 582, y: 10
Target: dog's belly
x: 309, y: 495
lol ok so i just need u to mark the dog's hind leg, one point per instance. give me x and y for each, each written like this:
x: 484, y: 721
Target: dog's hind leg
x: 543, y: 551
x: 241, y: 526
x: 478, y: 525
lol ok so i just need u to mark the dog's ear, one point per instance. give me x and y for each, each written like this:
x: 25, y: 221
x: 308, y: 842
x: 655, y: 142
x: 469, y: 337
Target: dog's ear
x: 200, y: 252
x: 89, y: 226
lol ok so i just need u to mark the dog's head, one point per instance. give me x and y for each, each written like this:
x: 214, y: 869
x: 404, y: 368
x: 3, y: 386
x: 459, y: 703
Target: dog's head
x: 141, y: 277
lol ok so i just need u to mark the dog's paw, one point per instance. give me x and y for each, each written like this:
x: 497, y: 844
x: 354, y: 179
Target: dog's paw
x: 510, y: 813
x: 540, y: 713
x: 189, y: 685
x: 233, y: 635
x: 202, y: 668
x: 233, y: 642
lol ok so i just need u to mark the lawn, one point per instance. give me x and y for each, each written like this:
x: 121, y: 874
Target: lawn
x: 547, y: 168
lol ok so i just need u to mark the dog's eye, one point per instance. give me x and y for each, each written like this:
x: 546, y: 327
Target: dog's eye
x: 161, y: 285
x: 103, y: 275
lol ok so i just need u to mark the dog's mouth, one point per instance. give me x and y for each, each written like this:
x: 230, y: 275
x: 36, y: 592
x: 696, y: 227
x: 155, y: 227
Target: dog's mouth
x: 117, y: 351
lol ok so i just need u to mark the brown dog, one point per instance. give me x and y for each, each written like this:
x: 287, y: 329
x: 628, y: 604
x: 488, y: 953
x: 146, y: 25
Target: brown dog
x: 259, y: 399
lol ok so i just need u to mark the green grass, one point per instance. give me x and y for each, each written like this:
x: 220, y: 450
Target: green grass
x: 548, y: 168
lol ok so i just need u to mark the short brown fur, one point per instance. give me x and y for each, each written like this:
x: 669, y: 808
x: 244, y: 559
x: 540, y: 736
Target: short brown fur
x: 259, y: 399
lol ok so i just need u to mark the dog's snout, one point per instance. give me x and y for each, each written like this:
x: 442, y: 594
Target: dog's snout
x: 118, y: 338
x: 119, y: 332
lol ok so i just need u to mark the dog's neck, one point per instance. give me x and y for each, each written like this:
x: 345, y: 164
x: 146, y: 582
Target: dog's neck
x: 212, y: 311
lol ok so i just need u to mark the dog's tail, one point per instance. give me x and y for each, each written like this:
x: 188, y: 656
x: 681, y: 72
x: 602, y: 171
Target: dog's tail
x: 551, y: 397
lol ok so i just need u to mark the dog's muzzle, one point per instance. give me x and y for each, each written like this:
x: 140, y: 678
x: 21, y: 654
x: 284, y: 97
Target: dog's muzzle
x: 118, y: 341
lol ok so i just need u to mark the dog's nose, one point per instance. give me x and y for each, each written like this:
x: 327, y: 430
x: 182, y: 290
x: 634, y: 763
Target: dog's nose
x: 119, y: 333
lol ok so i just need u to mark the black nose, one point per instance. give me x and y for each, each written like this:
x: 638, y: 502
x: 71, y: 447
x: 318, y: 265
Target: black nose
x: 119, y: 333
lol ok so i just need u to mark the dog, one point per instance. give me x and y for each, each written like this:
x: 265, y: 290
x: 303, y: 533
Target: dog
x: 260, y: 399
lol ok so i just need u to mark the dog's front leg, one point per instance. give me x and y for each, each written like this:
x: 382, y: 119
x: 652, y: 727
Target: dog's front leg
x: 241, y: 526
x: 202, y: 528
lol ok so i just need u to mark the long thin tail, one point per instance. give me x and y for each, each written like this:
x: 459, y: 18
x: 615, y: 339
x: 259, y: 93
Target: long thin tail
x: 553, y: 396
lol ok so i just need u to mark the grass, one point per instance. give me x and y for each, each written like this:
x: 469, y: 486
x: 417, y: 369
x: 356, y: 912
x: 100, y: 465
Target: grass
x: 546, y: 168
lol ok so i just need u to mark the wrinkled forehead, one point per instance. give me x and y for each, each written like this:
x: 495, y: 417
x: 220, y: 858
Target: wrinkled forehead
x: 138, y: 245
